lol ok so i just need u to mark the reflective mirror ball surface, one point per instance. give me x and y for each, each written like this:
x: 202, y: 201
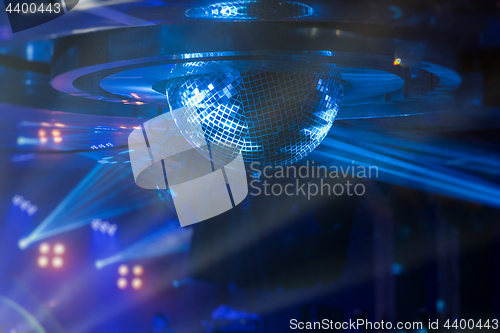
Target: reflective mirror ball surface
x: 275, y: 112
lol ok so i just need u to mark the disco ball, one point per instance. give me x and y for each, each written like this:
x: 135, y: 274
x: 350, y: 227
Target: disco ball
x: 273, y: 112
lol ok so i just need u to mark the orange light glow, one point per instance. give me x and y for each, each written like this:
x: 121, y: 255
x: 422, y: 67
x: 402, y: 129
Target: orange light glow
x: 122, y: 283
x: 135, y: 95
x: 138, y: 127
x: 397, y: 62
x: 57, y: 262
x: 123, y: 270
x: 136, y: 283
x: 56, y: 133
x: 57, y: 139
x: 59, y: 125
x: 139, y: 103
x: 122, y: 127
x: 42, y: 133
x: 138, y: 270
x: 44, y: 248
x: 43, y: 262
x: 59, y: 249
x: 43, y: 140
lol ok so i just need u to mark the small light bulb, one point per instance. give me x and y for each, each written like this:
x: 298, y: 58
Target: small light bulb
x: 137, y: 283
x: 123, y: 270
x: 59, y: 249
x: 44, y: 248
x: 122, y: 283
x: 43, y: 261
x: 138, y: 270
x: 57, y: 262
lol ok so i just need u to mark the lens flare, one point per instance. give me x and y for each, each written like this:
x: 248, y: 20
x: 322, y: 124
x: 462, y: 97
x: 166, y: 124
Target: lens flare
x: 137, y: 283
x: 43, y: 262
x: 44, y: 248
x: 123, y: 270
x: 138, y: 270
x: 59, y: 249
x: 122, y: 283
x: 57, y: 262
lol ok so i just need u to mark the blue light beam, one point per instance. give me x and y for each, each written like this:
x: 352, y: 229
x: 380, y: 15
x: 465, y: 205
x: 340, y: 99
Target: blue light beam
x: 422, y: 165
x: 100, y: 193
x: 162, y: 242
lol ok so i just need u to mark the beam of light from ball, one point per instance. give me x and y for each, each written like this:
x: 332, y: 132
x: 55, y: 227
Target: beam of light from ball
x: 162, y: 242
x: 97, y: 194
x: 418, y: 165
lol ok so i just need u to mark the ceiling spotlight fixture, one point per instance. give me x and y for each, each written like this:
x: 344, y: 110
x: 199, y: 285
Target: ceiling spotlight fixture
x: 43, y: 262
x: 138, y: 270
x: 57, y: 262
x: 137, y: 283
x: 53, y: 257
x: 59, y: 249
x: 123, y: 270
x: 44, y: 248
x: 122, y: 283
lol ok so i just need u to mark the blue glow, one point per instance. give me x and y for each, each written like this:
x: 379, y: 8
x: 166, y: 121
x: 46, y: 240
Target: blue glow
x: 21, y: 141
x: 251, y: 10
x: 397, y: 269
x: 22, y: 157
x: 440, y: 304
x: 179, y: 283
x: 24, y: 205
x: 162, y: 242
x: 103, y: 226
x: 101, y: 146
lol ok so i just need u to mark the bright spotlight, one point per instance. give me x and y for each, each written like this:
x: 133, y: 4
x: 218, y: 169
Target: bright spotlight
x: 138, y: 270
x: 23, y: 243
x: 56, y: 133
x: 59, y: 249
x: 137, y: 283
x: 44, y: 248
x: 57, y: 139
x: 123, y: 270
x: 57, y: 262
x: 43, y: 262
x: 42, y: 133
x: 122, y: 283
